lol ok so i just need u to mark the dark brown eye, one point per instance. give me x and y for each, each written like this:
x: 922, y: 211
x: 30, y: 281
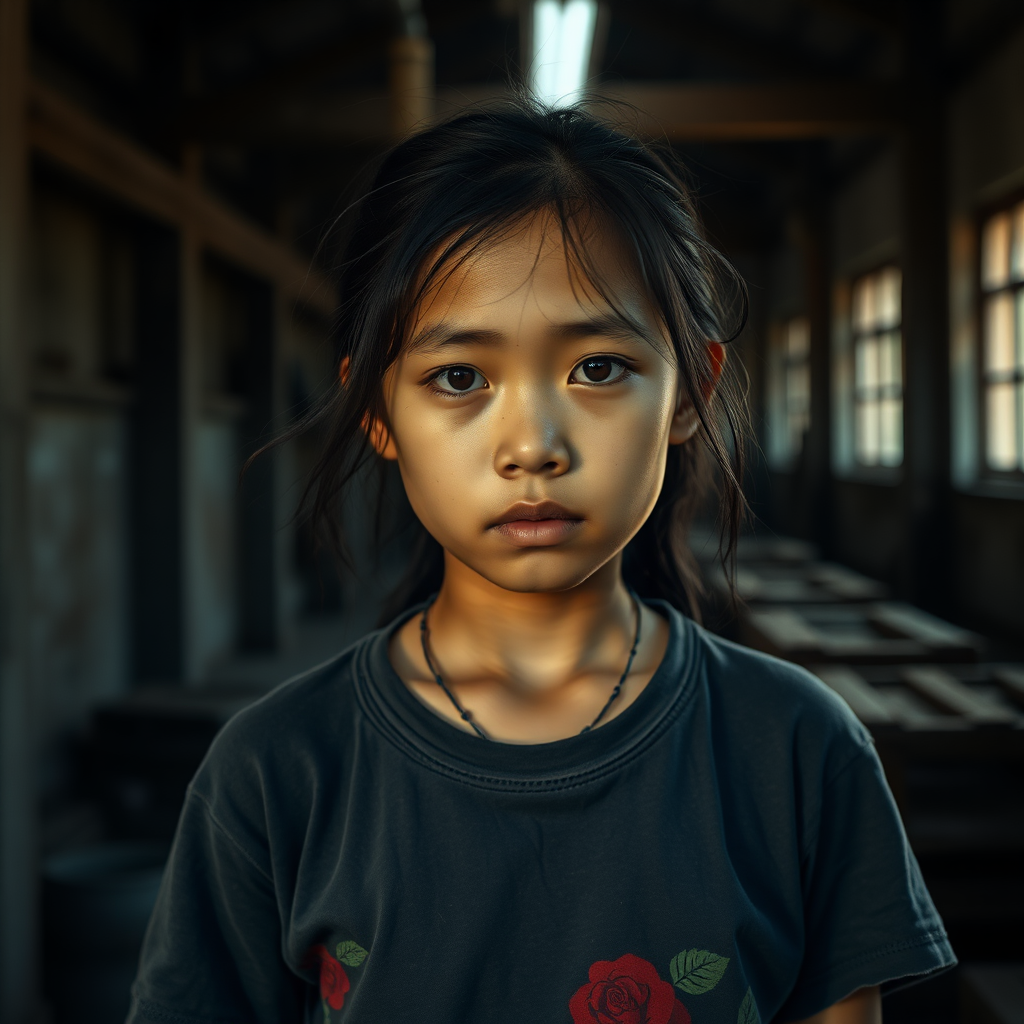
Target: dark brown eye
x: 458, y: 380
x: 599, y: 370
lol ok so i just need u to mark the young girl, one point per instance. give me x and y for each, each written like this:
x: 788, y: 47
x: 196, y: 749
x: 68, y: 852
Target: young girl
x: 543, y: 793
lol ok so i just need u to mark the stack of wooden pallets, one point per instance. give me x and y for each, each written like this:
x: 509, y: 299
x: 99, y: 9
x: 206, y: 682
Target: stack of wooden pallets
x: 868, y: 633
x: 948, y: 727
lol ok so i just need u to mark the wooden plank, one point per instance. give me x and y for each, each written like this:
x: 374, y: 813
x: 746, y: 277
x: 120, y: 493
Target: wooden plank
x: 858, y: 693
x: 679, y: 111
x: 709, y: 111
x: 904, y: 620
x: 954, y: 696
x: 74, y: 139
x: 914, y: 716
x: 845, y: 584
x: 785, y: 629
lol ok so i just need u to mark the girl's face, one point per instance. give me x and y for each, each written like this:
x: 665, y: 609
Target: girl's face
x: 530, y: 422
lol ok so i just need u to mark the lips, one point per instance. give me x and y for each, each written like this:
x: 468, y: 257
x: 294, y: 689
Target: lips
x: 524, y: 512
x: 545, y: 524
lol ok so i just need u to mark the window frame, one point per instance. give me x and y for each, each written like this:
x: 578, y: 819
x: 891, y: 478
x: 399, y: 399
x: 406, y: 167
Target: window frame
x: 784, y: 453
x: 875, y: 470
x: 986, y: 473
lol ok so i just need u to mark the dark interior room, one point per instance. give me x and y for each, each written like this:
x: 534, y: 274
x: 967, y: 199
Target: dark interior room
x: 170, y: 179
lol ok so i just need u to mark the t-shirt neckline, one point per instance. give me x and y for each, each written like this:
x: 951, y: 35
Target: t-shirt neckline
x: 439, y: 743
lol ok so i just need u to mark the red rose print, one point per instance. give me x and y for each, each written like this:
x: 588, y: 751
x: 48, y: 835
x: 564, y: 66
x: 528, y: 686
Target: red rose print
x: 333, y: 979
x: 626, y: 991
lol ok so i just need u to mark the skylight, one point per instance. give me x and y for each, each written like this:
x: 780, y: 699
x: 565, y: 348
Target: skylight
x: 563, y: 37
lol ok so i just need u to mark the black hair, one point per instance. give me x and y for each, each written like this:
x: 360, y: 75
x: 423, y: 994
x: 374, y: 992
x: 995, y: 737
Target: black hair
x: 462, y: 182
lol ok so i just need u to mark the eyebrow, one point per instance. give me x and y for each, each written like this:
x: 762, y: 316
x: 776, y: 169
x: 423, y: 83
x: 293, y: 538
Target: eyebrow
x: 608, y: 324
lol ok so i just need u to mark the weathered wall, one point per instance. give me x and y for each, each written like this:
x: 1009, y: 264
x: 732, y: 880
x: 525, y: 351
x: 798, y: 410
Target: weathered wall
x: 866, y: 217
x: 77, y: 474
x: 986, y: 167
x: 986, y: 152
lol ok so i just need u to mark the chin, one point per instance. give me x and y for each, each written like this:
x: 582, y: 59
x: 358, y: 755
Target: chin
x: 539, y: 573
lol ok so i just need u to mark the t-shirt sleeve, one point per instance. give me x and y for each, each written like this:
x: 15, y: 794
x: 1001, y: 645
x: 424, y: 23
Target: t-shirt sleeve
x: 868, y: 917
x: 212, y: 951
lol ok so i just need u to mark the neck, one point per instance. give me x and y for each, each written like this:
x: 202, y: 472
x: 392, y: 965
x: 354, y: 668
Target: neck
x: 531, y: 642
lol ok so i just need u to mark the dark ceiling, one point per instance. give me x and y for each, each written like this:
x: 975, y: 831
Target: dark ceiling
x: 279, y: 93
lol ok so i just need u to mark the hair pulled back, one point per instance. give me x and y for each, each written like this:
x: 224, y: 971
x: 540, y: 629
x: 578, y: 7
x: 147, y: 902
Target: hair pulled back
x: 437, y: 196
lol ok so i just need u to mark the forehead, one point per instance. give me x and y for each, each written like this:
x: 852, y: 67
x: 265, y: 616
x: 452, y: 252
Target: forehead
x: 536, y: 260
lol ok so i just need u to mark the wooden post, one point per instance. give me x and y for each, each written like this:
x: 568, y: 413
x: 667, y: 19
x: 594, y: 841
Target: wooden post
x: 191, y: 402
x: 166, y: 507
x: 814, y: 489
x: 260, y: 599
x: 157, y: 583
x: 411, y: 84
x: 18, y: 871
x: 925, y: 492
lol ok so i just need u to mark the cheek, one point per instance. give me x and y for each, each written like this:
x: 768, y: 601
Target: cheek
x: 440, y: 467
x: 624, y: 455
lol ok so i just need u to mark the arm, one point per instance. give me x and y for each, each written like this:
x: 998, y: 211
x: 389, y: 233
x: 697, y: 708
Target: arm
x: 862, y: 1007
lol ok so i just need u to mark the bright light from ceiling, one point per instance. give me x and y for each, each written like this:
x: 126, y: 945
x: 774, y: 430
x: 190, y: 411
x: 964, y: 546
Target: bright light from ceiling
x: 563, y: 37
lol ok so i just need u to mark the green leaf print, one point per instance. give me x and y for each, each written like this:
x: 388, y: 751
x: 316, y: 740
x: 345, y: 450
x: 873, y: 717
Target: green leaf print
x: 350, y: 953
x: 696, y: 971
x: 748, y: 1010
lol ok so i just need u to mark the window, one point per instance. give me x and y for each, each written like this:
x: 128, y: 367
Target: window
x: 878, y: 369
x: 1002, y: 348
x: 790, y: 390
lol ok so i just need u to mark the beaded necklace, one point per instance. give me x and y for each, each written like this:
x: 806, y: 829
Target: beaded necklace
x: 466, y: 716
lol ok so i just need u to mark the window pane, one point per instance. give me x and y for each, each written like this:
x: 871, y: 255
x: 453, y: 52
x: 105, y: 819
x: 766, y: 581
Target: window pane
x: 1020, y: 424
x: 1017, y: 255
x: 798, y: 337
x: 1020, y: 328
x: 1001, y: 443
x: 890, y: 440
x: 1000, y: 354
x: 995, y: 251
x: 798, y: 386
x: 866, y: 371
x: 890, y: 370
x: 889, y: 297
x: 867, y: 440
x: 864, y: 304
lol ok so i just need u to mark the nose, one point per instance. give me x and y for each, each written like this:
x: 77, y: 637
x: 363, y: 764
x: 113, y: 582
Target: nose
x: 532, y: 438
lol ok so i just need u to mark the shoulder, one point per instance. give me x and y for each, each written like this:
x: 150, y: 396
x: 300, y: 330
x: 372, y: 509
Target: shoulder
x: 763, y: 702
x: 281, y: 743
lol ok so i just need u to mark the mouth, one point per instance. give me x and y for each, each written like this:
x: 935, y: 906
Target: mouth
x: 540, y: 525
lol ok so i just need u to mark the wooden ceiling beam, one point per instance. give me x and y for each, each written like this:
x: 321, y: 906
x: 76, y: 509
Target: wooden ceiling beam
x: 712, y: 111
x: 350, y: 52
x: 94, y: 153
x: 735, y: 46
x: 680, y: 111
x: 356, y: 47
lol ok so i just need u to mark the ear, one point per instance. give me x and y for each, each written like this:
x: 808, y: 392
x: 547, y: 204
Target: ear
x: 685, y: 420
x: 377, y: 433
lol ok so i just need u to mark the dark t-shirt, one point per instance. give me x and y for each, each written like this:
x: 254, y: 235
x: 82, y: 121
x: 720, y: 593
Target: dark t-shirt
x: 724, y: 850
